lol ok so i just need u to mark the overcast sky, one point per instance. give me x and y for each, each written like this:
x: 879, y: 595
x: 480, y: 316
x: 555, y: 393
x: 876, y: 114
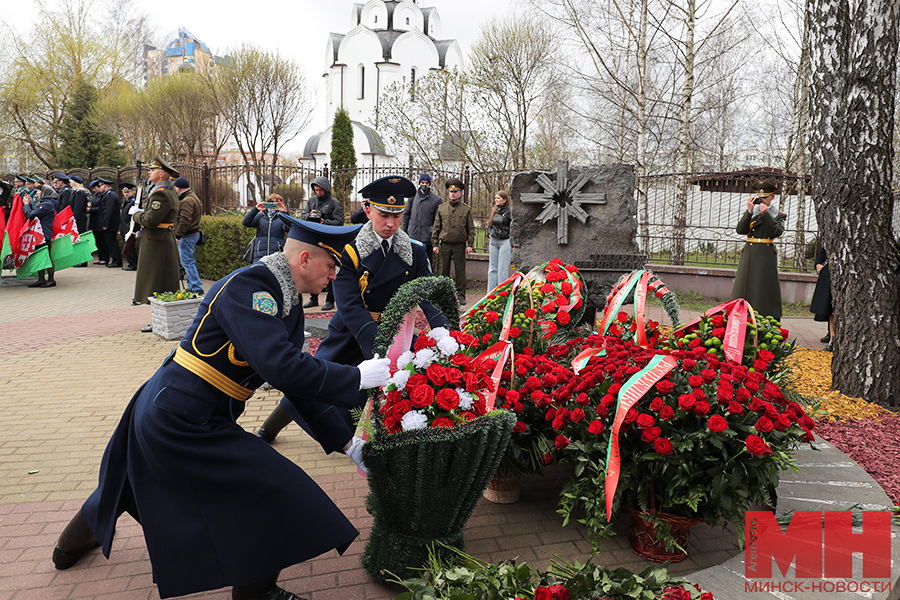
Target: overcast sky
x: 297, y: 29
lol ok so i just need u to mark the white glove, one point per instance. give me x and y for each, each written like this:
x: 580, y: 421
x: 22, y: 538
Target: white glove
x: 355, y: 452
x: 134, y: 209
x: 374, y: 372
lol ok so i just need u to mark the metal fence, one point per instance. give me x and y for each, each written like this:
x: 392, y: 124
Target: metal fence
x: 683, y: 219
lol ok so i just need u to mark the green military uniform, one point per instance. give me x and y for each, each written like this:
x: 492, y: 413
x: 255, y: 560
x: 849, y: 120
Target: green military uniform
x: 158, y: 262
x: 757, y: 275
x: 453, y: 232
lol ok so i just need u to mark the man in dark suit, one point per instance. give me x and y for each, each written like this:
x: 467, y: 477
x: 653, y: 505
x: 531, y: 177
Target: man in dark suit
x: 95, y: 212
x: 373, y: 267
x: 130, y: 250
x: 110, y: 217
x: 217, y: 505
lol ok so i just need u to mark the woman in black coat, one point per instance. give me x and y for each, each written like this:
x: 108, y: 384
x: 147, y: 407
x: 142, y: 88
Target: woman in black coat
x: 821, y: 300
x: 270, y: 230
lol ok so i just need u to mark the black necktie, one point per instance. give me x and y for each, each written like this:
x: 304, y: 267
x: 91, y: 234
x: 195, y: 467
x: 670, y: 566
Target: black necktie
x: 385, y: 247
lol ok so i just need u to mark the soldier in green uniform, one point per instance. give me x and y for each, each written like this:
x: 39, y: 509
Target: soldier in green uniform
x: 757, y: 275
x: 157, y: 268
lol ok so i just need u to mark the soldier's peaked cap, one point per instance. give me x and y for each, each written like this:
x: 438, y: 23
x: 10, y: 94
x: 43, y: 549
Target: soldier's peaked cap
x: 159, y: 163
x: 763, y: 188
x: 332, y: 238
x: 389, y: 194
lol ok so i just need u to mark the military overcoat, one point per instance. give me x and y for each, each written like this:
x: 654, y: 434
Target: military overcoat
x: 757, y: 276
x: 158, y: 261
x: 218, y: 505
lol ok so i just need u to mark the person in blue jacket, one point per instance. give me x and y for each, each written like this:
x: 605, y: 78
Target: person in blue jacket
x: 373, y: 267
x: 44, y: 209
x: 217, y: 505
x: 270, y: 231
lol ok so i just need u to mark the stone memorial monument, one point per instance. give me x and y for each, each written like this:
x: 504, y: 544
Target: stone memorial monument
x: 586, y: 216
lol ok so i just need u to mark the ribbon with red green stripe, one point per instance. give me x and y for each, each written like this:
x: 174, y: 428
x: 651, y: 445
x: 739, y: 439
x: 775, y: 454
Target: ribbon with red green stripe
x: 633, y: 390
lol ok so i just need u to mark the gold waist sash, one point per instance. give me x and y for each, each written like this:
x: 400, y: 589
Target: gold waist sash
x: 760, y: 240
x: 211, y: 376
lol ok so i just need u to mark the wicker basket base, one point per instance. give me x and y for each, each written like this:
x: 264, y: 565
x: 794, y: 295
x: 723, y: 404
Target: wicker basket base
x: 503, y: 490
x: 644, y: 541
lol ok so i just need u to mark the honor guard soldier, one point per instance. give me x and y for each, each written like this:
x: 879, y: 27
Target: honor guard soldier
x: 757, y: 278
x: 218, y: 506
x: 373, y: 267
x: 158, y: 267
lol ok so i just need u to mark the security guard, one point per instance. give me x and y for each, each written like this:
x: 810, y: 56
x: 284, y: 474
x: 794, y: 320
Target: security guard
x: 61, y: 185
x: 373, y: 267
x: 217, y: 505
x: 158, y: 263
x: 757, y: 278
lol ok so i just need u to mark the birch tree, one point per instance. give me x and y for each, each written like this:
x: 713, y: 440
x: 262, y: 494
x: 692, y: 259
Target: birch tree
x: 853, y: 60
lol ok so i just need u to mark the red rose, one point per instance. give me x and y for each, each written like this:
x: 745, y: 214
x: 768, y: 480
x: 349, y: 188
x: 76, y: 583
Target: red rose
x: 689, y: 363
x: 760, y: 365
x: 583, y: 399
x: 717, y: 423
x: 491, y: 316
x: 421, y: 395
x: 718, y: 332
x: 717, y: 321
x: 442, y: 422
x: 423, y: 341
x: 666, y: 413
x: 695, y: 381
x: 686, y: 401
x: 708, y: 375
x: 766, y: 355
x: 622, y: 316
x: 676, y: 593
x: 725, y: 392
x: 559, y: 422
x: 735, y: 408
x: 550, y: 414
x: 631, y: 415
x: 764, y: 425
x: 665, y: 386
x: 657, y: 404
x: 543, y: 593
x: 743, y: 394
x: 644, y: 421
x: 756, y: 445
x: 782, y: 422
x: 448, y: 399
x: 648, y: 435
x: 701, y: 407
x: 561, y: 442
x: 577, y: 415
x: 698, y: 394
x: 662, y: 446
x: 547, y: 458
x: 520, y: 427
x: 560, y: 592
x: 596, y: 427
x: 694, y: 343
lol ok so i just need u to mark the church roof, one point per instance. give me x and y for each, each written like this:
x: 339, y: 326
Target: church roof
x: 374, y: 143
x: 442, y: 47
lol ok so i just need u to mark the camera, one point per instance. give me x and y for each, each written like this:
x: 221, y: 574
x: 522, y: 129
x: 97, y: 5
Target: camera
x: 270, y: 205
x: 757, y: 200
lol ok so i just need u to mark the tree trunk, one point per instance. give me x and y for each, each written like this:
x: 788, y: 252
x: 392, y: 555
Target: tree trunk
x: 802, y: 132
x: 679, y: 251
x: 853, y: 58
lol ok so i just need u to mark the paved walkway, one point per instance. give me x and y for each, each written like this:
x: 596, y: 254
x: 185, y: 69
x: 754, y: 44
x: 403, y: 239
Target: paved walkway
x: 73, y: 355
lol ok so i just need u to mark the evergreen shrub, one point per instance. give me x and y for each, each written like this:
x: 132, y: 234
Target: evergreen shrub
x: 226, y: 240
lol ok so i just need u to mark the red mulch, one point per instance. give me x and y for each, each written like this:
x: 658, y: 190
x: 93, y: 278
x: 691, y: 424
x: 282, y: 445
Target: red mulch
x: 874, y: 445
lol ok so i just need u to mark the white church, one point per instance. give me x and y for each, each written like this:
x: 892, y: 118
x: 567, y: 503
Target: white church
x: 390, y: 40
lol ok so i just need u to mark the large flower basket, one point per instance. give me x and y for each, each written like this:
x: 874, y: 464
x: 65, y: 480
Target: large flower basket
x: 425, y: 482
x: 646, y: 542
x: 171, y: 319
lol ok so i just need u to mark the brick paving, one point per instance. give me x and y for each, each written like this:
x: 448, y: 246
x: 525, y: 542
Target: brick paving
x: 72, y: 356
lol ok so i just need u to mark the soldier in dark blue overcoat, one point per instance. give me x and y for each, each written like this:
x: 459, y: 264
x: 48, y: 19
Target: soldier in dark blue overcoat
x: 371, y: 273
x: 219, y: 506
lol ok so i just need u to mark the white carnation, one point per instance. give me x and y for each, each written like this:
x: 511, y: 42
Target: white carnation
x: 439, y: 333
x: 466, y: 400
x: 413, y: 420
x: 399, y: 379
x: 405, y: 359
x: 448, y: 346
x: 424, y: 358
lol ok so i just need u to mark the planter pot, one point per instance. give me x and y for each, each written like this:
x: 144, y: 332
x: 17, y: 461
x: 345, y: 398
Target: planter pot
x: 171, y: 319
x: 644, y: 541
x: 424, y: 485
x: 503, y: 490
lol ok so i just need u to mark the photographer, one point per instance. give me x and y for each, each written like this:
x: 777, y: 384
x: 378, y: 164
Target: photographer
x: 270, y: 230
x: 322, y: 208
x: 757, y: 276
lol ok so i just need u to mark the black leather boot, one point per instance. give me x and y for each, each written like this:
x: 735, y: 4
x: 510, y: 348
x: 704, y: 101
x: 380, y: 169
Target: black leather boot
x: 74, y: 542
x: 273, y: 425
x: 313, y: 301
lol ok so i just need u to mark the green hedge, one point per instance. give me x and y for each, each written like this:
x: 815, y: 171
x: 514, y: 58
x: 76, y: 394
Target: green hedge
x: 226, y: 240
